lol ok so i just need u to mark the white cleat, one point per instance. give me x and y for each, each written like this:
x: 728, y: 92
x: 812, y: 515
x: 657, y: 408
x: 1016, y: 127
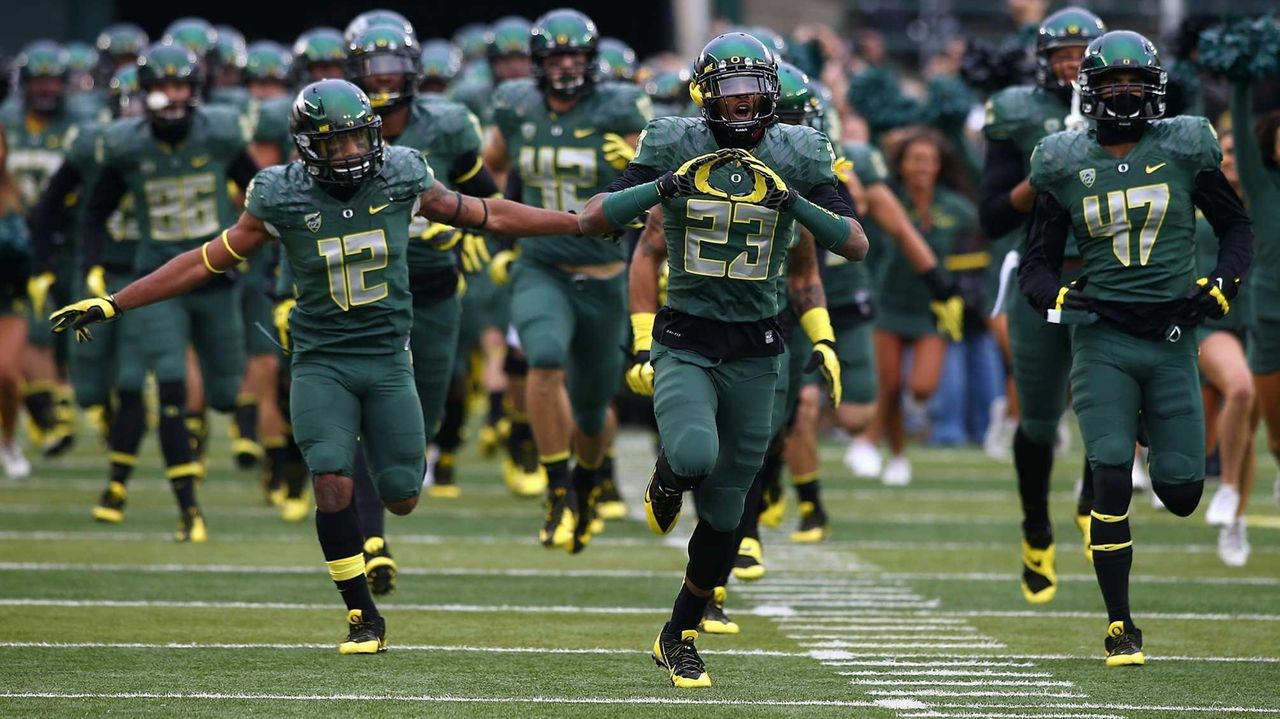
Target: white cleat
x: 997, y: 443
x: 1223, y: 506
x: 1156, y: 503
x: 1233, y: 544
x: 863, y: 459
x: 15, y: 462
x: 897, y: 472
x: 1141, y: 480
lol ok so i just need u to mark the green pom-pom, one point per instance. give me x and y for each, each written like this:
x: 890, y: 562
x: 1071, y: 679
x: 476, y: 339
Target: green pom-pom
x: 1242, y: 49
x: 876, y: 95
x: 949, y: 102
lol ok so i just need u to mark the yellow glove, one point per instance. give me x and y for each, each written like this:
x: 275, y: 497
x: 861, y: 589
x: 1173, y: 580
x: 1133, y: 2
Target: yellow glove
x: 844, y: 169
x: 475, y: 253
x: 950, y: 316
x: 280, y: 318
x: 441, y: 237
x: 500, y: 267
x: 770, y: 189
x: 817, y: 326
x: 640, y: 373
x: 617, y: 151
x: 80, y: 315
x: 38, y: 290
x: 96, y: 281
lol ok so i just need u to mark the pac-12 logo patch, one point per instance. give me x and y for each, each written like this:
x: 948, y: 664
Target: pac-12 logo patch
x: 313, y: 221
x: 1087, y: 176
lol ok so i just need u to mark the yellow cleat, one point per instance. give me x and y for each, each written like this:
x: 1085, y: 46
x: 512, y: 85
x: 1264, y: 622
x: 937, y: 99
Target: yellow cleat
x: 773, y: 514
x: 1039, y: 578
x: 1124, y: 648
x: 191, y: 528
x: 522, y: 483
x: 558, y: 526
x: 1082, y: 523
x: 364, y: 637
x: 714, y: 620
x: 276, y: 497
x: 611, y: 510
x: 680, y: 658
x: 489, y: 440
x: 295, y: 509
x: 597, y: 524
x: 445, y: 491
x: 749, y: 564
x: 379, y: 567
x: 813, y: 525
x: 110, y: 506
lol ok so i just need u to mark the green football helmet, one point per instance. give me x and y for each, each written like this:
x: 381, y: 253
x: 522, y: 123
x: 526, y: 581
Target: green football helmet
x: 669, y: 92
x: 735, y: 73
x: 379, y: 52
x: 796, y: 101
x: 337, y: 133
x: 559, y: 32
x: 82, y: 63
x: 473, y: 39
x: 770, y: 38
x: 1107, y: 100
x: 509, y: 36
x: 193, y: 33
x: 231, y: 52
x: 378, y: 18
x: 120, y: 44
x: 1068, y: 27
x: 320, y: 46
x: 167, y: 62
x: 125, y: 93
x: 441, y: 63
x: 42, y: 59
x: 267, y: 61
x: 617, y: 61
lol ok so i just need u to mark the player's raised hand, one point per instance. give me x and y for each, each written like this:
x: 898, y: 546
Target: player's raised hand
x: 693, y: 177
x: 770, y: 189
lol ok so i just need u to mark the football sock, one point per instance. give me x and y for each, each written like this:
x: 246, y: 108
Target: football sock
x: 246, y: 417
x: 1033, y: 463
x: 709, y: 553
x: 39, y: 404
x: 343, y: 548
x: 686, y: 613
x: 496, y: 408
x: 197, y: 432
x: 296, y: 472
x: 175, y: 444
x: 64, y: 407
x: 277, y: 457
x: 368, y: 505
x: 749, y: 525
x: 808, y: 488
x: 520, y: 443
x: 1084, y: 502
x: 1111, y: 542
x: 557, y: 466
x: 449, y: 437
x: 127, y: 425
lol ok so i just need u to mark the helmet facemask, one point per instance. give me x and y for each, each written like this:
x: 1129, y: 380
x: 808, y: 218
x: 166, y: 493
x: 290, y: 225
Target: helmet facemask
x: 739, y: 105
x: 344, y: 157
x: 561, y: 79
x: 369, y: 71
x: 1108, y: 96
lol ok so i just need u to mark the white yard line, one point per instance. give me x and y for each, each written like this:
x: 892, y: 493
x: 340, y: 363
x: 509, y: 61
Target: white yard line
x: 393, y: 646
x: 1223, y: 709
x: 944, y: 673
x: 841, y: 644
x: 962, y: 683
x: 441, y: 698
x: 837, y: 657
x: 848, y: 615
x: 985, y: 693
x: 395, y: 608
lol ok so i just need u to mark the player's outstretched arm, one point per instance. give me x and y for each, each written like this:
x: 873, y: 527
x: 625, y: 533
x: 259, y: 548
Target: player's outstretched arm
x: 643, y: 281
x: 809, y: 301
x: 641, y: 187
x: 503, y: 217
x: 177, y: 276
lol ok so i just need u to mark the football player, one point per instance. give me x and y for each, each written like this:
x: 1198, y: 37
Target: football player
x: 730, y: 183
x: 1128, y: 191
x: 15, y: 267
x: 119, y: 45
x: 567, y: 136
x: 1017, y: 118
x: 352, y: 200
x: 441, y: 62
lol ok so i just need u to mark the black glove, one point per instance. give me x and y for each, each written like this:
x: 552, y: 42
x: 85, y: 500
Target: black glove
x: 691, y: 177
x: 1211, y: 296
x: 1071, y: 297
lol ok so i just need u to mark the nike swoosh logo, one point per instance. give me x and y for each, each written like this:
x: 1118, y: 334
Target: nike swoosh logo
x: 375, y: 210
x: 583, y: 132
x: 199, y: 161
x: 1153, y: 168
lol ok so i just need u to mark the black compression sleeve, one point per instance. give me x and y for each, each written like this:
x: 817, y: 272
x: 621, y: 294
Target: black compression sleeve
x: 632, y: 176
x: 479, y: 182
x: 1040, y: 270
x: 104, y: 198
x: 1223, y: 209
x: 47, y: 216
x: 242, y: 169
x: 834, y: 198
x: 1001, y: 173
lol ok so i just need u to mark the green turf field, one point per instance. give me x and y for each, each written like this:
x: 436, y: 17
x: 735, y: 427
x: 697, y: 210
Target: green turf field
x: 912, y: 610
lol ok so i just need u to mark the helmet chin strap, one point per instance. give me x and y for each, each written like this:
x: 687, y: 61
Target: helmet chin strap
x: 1111, y: 132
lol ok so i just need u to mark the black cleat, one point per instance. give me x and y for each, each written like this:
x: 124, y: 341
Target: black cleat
x: 364, y: 636
x: 610, y: 505
x: 678, y: 656
x: 444, y: 484
x: 110, y: 506
x: 379, y: 567
x: 714, y: 620
x: 1124, y: 645
x: 814, y: 526
x: 558, y: 528
x: 661, y: 505
x: 587, y: 494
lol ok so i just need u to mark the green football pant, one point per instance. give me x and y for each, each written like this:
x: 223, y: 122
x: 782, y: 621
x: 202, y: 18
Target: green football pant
x: 333, y: 399
x: 259, y: 325
x: 577, y: 324
x: 208, y: 319
x: 1116, y: 376
x: 113, y: 360
x: 434, y: 342
x: 714, y: 424
x: 857, y: 353
x: 1041, y: 369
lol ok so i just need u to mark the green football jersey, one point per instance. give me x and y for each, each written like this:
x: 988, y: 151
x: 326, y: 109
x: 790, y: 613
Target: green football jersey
x: 901, y: 289
x: 727, y: 258
x: 36, y: 148
x: 847, y: 283
x: 180, y: 191
x: 477, y: 95
x: 347, y: 258
x: 1132, y: 216
x: 1242, y: 312
x: 442, y: 131
x: 232, y: 97
x: 269, y: 123
x: 84, y: 151
x: 561, y: 160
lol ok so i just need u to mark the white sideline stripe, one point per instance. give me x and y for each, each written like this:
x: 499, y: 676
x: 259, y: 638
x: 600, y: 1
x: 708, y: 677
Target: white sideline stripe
x: 1135, y: 579
x: 961, y: 683
x: 881, y: 628
x: 442, y: 698
x: 945, y: 673
x: 1014, y: 715
x: 1123, y: 707
x: 464, y: 608
x: 836, y: 656
x: 894, y: 662
x: 394, y: 647
x: 959, y: 641
x: 840, y: 644
x: 971, y: 693
x: 877, y: 604
x: 1019, y: 614
x: 862, y: 619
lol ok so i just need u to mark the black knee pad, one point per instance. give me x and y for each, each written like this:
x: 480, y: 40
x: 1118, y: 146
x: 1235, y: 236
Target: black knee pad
x: 1182, y: 498
x: 1112, y: 489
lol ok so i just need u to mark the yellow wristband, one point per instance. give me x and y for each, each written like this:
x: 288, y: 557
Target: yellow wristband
x: 227, y: 244
x: 204, y: 255
x: 817, y: 325
x: 642, y: 330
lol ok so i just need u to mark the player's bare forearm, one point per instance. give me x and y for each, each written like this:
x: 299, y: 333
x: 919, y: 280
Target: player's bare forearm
x: 804, y: 284
x: 591, y: 220
x: 856, y: 244
x: 889, y: 213
x: 1022, y: 196
x: 502, y: 217
x: 646, y: 265
x: 193, y: 268
x: 494, y: 153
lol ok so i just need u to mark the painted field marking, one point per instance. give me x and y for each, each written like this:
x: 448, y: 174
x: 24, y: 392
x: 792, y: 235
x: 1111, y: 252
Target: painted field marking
x: 461, y: 648
x: 944, y: 673
x: 441, y: 698
x: 962, y: 683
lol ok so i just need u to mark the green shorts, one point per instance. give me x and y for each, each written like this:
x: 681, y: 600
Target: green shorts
x: 259, y: 324
x: 1264, y: 346
x: 333, y: 399
x: 1041, y: 368
x: 1115, y: 377
x: 208, y: 319
x: 714, y: 423
x: 434, y: 343
x: 855, y: 346
x: 113, y: 360
x: 577, y: 324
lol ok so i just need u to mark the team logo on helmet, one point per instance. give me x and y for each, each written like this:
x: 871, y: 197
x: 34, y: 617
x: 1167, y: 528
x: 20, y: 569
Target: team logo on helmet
x: 1087, y: 176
